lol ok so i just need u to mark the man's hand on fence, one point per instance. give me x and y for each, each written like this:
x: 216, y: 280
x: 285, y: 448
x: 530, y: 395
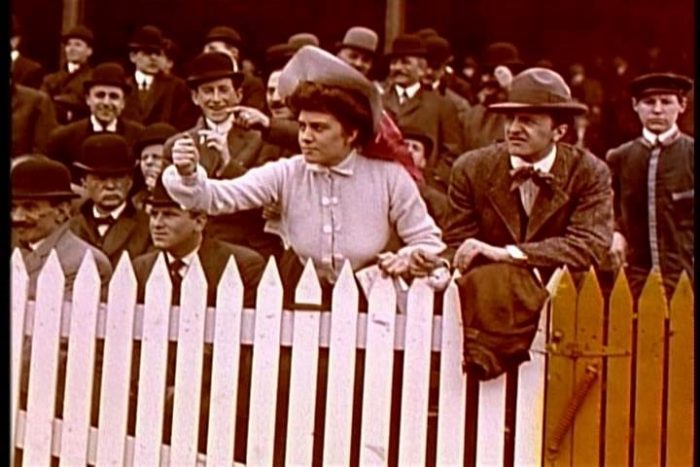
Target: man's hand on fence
x: 393, y: 264
x: 185, y: 156
x: 472, y: 247
x: 618, y: 250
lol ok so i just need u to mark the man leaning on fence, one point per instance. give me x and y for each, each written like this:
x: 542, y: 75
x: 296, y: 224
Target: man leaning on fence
x: 531, y: 202
x: 654, y: 180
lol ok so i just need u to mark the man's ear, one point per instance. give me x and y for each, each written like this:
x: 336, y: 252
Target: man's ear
x: 200, y: 219
x: 559, y: 132
x: 352, y: 137
x: 683, y: 102
x: 635, y: 104
x: 195, y: 99
x: 132, y: 57
x: 89, y: 52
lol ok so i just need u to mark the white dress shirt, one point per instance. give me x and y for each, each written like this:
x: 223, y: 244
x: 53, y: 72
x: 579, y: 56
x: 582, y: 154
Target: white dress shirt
x: 663, y: 138
x: 97, y: 126
x: 114, y: 214
x: 187, y: 260
x: 72, y: 67
x: 143, y: 79
x: 529, y: 189
x: 410, y: 91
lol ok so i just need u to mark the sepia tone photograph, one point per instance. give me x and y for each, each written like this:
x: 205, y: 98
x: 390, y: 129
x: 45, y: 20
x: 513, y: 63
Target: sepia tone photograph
x: 368, y: 232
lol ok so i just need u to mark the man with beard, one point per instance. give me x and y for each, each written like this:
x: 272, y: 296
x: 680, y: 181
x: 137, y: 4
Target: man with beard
x: 108, y: 220
x: 65, y: 86
x: 155, y: 96
x: 41, y: 195
x: 104, y: 95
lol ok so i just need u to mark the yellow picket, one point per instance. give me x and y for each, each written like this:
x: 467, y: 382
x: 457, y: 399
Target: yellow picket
x: 560, y: 372
x: 680, y: 434
x: 588, y: 369
x: 651, y: 313
x: 619, y: 374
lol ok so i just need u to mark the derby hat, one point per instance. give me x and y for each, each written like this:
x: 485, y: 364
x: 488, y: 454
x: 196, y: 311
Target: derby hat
x: 502, y: 53
x: 147, y: 38
x: 360, y: 38
x: 210, y: 66
x: 539, y: 89
x: 413, y: 132
x: 106, y: 153
x: 301, y: 39
x: 224, y: 34
x: 277, y: 56
x: 438, y: 50
x: 79, y: 32
x: 156, y: 133
x: 38, y: 177
x: 107, y: 74
x: 318, y: 66
x: 407, y: 45
x: 659, y: 83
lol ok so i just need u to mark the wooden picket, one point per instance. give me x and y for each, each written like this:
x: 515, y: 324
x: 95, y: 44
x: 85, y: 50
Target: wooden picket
x: 573, y: 403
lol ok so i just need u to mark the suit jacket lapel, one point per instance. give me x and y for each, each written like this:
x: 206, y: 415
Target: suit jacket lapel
x: 504, y: 201
x: 412, y: 104
x: 118, y: 234
x: 35, y: 260
x: 550, y: 200
x: 154, y: 92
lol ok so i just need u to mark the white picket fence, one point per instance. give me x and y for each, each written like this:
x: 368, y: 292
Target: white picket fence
x: 52, y: 318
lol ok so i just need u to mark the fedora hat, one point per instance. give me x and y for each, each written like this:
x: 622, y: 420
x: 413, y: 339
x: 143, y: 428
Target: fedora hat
x: 79, y: 32
x: 148, y: 38
x: 156, y: 133
x: 659, y: 83
x: 38, y: 177
x: 277, y: 56
x: 316, y: 65
x: 210, y: 66
x: 407, y: 45
x: 301, y: 39
x: 224, y: 34
x: 502, y: 53
x: 105, y: 153
x: 539, y: 89
x: 107, y: 74
x: 438, y: 50
x: 360, y: 38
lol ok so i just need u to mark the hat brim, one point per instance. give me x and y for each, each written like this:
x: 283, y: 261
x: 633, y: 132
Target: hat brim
x: 424, y: 139
x: 574, y: 108
x: 408, y: 53
x: 160, y: 203
x: 87, y: 40
x: 126, y: 87
x: 136, y: 46
x: 236, y: 76
x: 49, y: 195
x: 340, y: 45
x: 111, y: 171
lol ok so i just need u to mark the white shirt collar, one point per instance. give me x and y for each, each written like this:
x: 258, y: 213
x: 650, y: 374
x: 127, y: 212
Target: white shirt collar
x: 223, y: 127
x: 97, y: 125
x: 115, y: 213
x: 14, y: 55
x: 344, y: 167
x: 410, y: 90
x: 37, y: 244
x: 544, y: 165
x: 72, y: 67
x: 143, y: 78
x: 663, y: 138
x: 187, y: 259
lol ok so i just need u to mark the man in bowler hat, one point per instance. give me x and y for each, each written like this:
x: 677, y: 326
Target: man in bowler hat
x: 155, y: 96
x: 654, y: 183
x: 41, y: 195
x: 104, y: 95
x: 108, y: 220
x: 65, y: 86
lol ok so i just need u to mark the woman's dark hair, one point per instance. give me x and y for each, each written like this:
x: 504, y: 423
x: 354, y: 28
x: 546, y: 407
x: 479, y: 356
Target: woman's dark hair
x: 349, y: 106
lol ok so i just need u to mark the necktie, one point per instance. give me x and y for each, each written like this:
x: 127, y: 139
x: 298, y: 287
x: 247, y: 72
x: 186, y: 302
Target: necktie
x: 651, y: 196
x: 525, y: 173
x: 103, y: 224
x: 143, y: 91
x: 403, y: 96
x: 175, y: 269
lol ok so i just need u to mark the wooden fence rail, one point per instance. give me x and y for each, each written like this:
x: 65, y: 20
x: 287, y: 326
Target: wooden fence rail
x: 607, y: 384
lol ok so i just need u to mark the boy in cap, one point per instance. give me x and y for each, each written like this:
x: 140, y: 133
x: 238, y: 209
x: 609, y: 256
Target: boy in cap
x: 654, y: 179
x: 108, y: 220
x: 149, y: 152
x: 65, y: 86
x: 104, y: 96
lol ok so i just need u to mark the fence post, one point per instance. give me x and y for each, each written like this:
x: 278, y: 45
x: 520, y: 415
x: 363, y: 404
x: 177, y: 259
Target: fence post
x: 20, y: 286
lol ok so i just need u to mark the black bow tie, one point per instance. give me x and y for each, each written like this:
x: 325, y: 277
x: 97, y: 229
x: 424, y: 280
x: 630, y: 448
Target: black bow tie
x: 106, y: 220
x: 528, y: 172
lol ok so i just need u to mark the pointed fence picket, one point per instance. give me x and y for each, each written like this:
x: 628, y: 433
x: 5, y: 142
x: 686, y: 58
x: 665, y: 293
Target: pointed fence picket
x: 563, y: 415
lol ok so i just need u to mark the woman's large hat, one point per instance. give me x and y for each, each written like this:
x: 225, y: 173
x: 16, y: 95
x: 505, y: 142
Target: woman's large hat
x: 318, y: 66
x: 539, y: 89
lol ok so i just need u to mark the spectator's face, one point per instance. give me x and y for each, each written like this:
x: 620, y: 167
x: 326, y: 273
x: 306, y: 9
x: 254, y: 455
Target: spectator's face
x: 359, y: 60
x: 77, y: 50
x: 106, y: 102
x: 322, y: 138
x: 172, y: 227
x: 274, y: 102
x: 152, y: 163
x: 530, y: 135
x: 417, y: 150
x: 406, y: 71
x: 147, y: 61
x: 433, y: 73
x: 658, y: 112
x: 35, y: 219
x: 108, y: 192
x: 223, y: 47
x: 165, y: 64
x: 216, y: 98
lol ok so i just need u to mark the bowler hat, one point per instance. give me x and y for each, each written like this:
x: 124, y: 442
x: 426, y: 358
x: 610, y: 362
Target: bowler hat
x: 210, y: 66
x: 224, y: 34
x: 79, y: 32
x: 360, y: 38
x: 107, y: 74
x: 105, y: 153
x: 426, y: 32
x: 659, y: 83
x: 149, y: 38
x: 407, y: 45
x: 38, y: 177
x: 316, y: 65
x: 412, y: 132
x: 539, y: 89
x: 156, y: 133
x: 277, y: 55
x: 438, y: 49
x: 160, y: 196
x: 502, y: 53
x: 301, y: 39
